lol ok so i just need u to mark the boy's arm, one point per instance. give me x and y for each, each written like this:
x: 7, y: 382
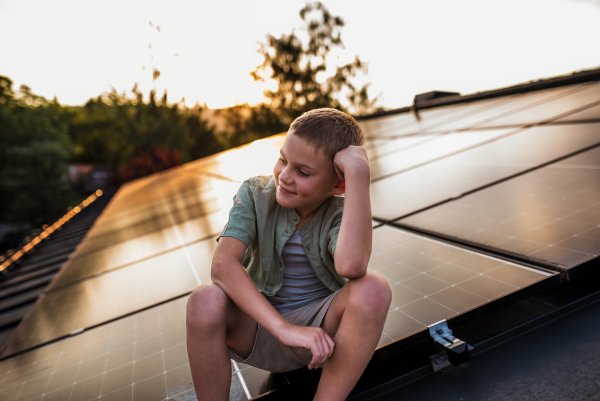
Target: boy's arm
x: 354, y: 239
x: 229, y: 274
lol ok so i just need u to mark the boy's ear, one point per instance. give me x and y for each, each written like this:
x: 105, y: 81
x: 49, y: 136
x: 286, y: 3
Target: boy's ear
x: 340, y: 188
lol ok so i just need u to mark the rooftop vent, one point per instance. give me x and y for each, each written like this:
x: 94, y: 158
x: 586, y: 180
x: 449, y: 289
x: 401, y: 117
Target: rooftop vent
x: 422, y: 97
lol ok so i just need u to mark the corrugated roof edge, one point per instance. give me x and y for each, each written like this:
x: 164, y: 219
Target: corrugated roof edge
x: 542, y: 83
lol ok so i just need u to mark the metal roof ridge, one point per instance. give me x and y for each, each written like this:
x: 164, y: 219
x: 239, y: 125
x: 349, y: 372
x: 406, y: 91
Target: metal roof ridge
x: 530, y: 86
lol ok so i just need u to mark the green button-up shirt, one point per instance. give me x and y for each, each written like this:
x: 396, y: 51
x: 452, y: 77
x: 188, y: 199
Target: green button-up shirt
x: 264, y: 226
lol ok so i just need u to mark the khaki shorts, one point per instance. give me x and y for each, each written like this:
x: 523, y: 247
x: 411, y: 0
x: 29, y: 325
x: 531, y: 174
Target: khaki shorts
x: 270, y: 354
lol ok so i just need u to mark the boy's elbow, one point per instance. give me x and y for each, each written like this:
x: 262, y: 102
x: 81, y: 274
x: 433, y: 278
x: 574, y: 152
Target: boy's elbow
x: 352, y: 270
x: 216, y: 271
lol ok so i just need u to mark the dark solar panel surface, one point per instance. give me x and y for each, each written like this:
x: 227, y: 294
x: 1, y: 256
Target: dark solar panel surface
x: 515, y: 104
x: 413, y: 190
x: 549, y: 216
x: 432, y: 281
x: 141, y: 357
x: 115, y: 294
x: 550, y: 110
x: 436, y: 147
x: 144, y: 357
x: 590, y: 113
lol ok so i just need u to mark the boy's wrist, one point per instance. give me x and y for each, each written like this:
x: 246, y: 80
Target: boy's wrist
x: 357, y: 171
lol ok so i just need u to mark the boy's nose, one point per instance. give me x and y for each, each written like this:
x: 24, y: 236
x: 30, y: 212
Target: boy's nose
x: 285, y: 176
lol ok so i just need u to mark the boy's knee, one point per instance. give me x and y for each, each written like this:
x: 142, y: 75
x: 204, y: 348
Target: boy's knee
x: 206, y: 306
x: 372, y: 294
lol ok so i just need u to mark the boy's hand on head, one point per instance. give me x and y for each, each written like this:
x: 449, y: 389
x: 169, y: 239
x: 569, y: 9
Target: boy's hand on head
x: 351, y: 160
x: 314, y: 339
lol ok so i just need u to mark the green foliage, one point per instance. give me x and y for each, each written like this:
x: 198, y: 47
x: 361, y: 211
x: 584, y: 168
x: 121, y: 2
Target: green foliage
x: 34, y: 154
x: 114, y: 128
x: 246, y: 124
x: 296, y: 66
x: 40, y: 138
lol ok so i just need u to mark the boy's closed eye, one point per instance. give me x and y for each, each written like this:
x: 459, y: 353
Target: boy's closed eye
x: 300, y: 171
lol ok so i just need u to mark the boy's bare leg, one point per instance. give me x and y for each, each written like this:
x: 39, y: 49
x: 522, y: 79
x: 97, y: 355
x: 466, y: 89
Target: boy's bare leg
x: 213, y: 323
x: 355, y: 321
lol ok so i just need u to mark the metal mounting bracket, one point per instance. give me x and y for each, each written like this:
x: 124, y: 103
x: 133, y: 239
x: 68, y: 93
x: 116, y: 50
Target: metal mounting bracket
x: 457, y: 350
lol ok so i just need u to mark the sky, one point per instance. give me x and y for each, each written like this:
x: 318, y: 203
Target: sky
x: 79, y: 49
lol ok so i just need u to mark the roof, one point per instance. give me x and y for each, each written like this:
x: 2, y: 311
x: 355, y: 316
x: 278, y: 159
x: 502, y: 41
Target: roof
x: 486, y: 214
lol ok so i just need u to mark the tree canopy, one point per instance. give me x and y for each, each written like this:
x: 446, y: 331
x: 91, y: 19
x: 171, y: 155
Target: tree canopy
x: 296, y: 67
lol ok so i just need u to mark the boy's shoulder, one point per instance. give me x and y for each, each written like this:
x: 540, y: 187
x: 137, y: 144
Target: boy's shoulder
x: 261, y: 182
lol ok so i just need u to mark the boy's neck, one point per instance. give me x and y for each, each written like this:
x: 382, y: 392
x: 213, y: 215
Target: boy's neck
x: 308, y: 213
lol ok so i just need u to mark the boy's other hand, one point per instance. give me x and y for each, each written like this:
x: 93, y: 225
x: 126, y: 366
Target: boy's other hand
x: 353, y: 158
x: 312, y: 338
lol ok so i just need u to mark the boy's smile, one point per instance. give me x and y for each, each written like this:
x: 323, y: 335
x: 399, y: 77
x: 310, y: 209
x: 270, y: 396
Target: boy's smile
x: 305, y: 177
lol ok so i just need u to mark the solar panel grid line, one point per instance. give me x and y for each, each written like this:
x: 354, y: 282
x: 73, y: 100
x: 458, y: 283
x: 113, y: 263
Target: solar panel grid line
x: 56, y: 286
x: 139, y: 357
x: 138, y: 203
x: 446, y: 155
x: 110, y: 229
x: 575, y: 111
x: 579, y: 96
x: 108, y: 240
x: 180, y: 237
x: 583, y: 137
x: 420, y: 293
x: 241, y: 379
x: 388, y: 122
x: 560, y: 229
x: 390, y: 146
x: 143, y: 247
x: 520, y: 103
x: 455, y: 113
x: 457, y: 124
x: 111, y: 218
x: 591, y: 114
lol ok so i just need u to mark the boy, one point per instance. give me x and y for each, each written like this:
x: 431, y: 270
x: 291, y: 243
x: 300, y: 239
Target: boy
x: 306, y: 297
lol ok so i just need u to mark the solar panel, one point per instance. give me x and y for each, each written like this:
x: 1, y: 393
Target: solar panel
x: 590, y: 113
x: 178, y: 197
x: 146, y: 352
x: 382, y: 148
x: 430, y: 150
x: 257, y: 158
x: 140, y: 248
x: 387, y: 126
x: 140, y: 357
x: 120, y: 234
x: 550, y: 110
x: 518, y: 103
x: 106, y: 297
x: 434, y: 119
x: 431, y: 280
x: 550, y: 216
x: 422, y: 187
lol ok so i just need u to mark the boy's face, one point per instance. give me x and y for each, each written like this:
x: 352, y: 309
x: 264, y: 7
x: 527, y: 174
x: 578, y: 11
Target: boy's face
x: 304, y: 177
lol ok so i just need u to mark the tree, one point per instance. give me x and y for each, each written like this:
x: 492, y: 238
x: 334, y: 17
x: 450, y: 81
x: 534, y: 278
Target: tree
x: 295, y: 67
x: 34, y: 153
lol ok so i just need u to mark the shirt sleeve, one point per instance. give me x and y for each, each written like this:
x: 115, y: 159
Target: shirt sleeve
x: 242, y: 216
x: 333, y: 233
